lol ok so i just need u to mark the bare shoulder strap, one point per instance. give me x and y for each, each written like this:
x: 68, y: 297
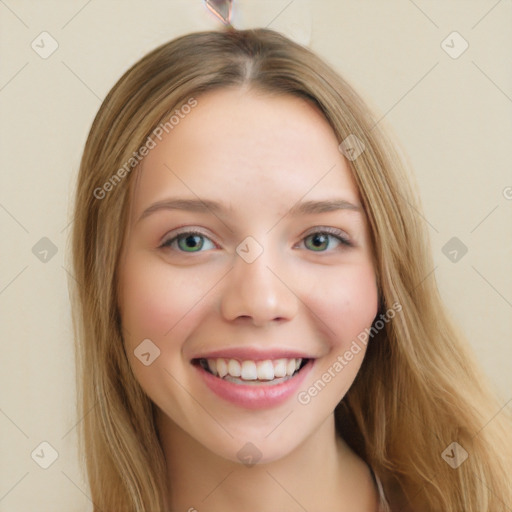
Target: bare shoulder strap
x: 383, y: 503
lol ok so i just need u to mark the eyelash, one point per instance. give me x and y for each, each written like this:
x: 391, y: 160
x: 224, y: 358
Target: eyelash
x: 333, y: 232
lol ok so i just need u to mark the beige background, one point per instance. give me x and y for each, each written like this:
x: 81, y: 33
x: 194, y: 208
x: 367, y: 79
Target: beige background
x: 453, y: 117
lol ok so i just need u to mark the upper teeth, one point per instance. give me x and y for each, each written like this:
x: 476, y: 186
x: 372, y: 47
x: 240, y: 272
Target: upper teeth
x: 254, y: 370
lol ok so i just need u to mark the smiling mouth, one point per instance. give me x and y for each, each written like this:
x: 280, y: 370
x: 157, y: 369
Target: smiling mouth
x: 268, y: 372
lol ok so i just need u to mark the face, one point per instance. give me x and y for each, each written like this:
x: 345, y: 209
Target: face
x: 246, y: 274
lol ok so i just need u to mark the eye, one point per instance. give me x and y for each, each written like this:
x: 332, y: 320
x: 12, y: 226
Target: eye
x: 320, y: 240
x: 188, y: 241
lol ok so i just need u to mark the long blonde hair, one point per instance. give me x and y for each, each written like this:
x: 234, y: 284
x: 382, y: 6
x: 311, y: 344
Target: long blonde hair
x: 418, y: 389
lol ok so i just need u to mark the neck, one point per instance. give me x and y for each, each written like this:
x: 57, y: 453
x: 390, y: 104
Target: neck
x: 322, y: 471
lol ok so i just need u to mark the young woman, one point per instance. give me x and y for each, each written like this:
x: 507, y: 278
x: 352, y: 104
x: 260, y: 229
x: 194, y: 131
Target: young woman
x: 258, y: 326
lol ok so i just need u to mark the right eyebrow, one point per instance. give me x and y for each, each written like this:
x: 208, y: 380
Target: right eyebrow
x: 191, y: 205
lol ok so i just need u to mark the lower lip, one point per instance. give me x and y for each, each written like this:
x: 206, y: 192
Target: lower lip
x: 262, y: 396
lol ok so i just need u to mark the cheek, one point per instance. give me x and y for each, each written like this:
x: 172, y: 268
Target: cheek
x: 347, y: 308
x: 348, y: 304
x: 155, y: 299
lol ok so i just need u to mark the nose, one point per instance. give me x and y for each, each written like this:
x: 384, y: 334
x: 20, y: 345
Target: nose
x: 259, y: 292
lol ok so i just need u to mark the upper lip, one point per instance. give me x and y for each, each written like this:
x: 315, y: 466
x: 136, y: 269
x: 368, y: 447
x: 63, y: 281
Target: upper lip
x: 253, y: 354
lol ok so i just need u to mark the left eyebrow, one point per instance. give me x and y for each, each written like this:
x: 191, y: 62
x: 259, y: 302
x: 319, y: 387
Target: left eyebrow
x: 330, y: 205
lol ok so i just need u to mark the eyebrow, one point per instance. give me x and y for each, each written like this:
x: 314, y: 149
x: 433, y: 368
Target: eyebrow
x: 208, y: 206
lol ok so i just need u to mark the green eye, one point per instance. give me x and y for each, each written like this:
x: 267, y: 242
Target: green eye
x: 320, y: 241
x: 189, y: 241
x: 192, y: 241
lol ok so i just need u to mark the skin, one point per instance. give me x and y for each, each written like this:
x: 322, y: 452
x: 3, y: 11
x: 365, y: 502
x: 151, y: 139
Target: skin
x: 259, y: 155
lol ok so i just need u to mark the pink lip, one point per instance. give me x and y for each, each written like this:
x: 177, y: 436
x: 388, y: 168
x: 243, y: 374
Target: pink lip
x: 252, y: 354
x: 261, y: 396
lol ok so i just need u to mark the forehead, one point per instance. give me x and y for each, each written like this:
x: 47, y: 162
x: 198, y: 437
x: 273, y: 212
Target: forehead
x: 246, y: 145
